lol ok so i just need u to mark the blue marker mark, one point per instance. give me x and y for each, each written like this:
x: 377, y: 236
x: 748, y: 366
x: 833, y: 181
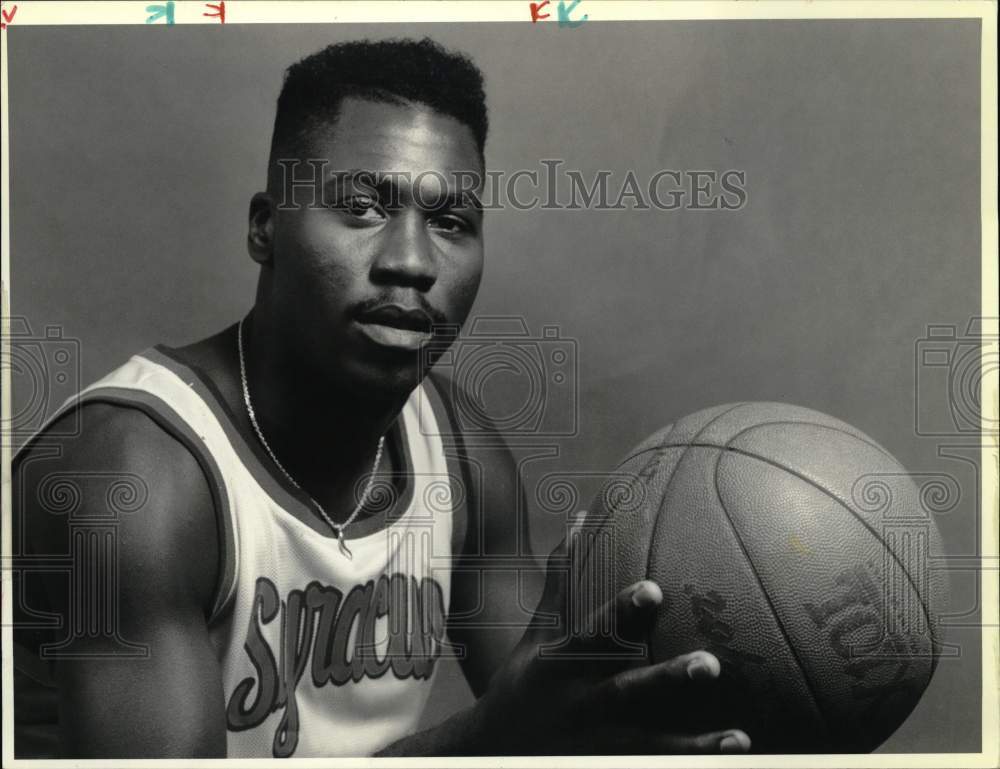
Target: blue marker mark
x: 565, y: 11
x: 161, y: 11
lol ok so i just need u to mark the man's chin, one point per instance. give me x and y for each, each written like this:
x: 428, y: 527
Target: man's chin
x: 386, y: 372
x: 387, y: 380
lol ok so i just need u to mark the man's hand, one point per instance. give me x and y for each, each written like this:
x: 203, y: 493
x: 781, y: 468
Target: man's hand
x: 589, y: 698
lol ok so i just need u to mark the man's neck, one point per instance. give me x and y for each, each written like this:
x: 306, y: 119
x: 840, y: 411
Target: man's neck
x: 323, y: 436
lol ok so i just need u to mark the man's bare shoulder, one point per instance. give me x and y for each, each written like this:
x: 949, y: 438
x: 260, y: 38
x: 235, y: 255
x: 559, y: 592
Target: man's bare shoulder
x: 497, y: 504
x: 122, y: 467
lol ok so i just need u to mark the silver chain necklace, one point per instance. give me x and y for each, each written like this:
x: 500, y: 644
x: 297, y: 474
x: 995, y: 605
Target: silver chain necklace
x: 338, y: 528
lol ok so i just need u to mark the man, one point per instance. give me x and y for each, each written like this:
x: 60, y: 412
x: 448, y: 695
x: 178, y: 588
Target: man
x: 285, y: 569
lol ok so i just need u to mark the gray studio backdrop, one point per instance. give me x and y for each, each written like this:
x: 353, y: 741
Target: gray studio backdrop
x: 135, y: 150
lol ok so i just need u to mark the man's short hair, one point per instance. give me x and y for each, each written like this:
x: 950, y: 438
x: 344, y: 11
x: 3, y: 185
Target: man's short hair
x: 395, y: 71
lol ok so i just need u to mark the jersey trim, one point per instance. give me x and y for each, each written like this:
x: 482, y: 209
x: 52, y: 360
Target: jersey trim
x: 254, y: 460
x: 457, y: 459
x: 168, y: 420
x: 260, y: 465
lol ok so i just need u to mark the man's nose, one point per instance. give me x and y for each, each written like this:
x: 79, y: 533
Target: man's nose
x: 406, y: 257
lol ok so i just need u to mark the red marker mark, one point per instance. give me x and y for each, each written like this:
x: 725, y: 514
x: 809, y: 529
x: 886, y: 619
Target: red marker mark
x: 536, y: 11
x: 7, y: 17
x: 220, y: 11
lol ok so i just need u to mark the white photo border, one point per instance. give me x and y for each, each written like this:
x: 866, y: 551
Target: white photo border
x: 36, y: 12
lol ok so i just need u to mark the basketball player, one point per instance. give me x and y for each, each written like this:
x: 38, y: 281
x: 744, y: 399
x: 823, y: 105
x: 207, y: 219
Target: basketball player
x: 286, y: 573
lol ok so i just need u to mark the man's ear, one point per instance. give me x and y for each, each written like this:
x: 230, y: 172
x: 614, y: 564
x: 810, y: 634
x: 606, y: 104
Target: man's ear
x: 260, y: 235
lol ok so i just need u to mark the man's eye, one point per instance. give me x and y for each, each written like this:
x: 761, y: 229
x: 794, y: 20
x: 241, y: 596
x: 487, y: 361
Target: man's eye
x: 451, y: 224
x: 362, y: 207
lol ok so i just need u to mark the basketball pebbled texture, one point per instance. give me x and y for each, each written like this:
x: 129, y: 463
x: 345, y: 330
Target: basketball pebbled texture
x: 793, y: 547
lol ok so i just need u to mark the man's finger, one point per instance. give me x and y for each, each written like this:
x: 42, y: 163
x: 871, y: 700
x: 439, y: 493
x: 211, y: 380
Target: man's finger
x: 622, y: 622
x: 728, y: 741
x: 696, y: 666
x: 651, y: 742
x: 657, y: 689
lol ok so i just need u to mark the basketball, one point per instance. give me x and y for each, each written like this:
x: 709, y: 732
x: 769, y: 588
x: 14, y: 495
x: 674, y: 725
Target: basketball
x: 793, y: 547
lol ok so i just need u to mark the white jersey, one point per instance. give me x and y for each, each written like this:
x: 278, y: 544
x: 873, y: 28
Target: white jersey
x: 321, y: 654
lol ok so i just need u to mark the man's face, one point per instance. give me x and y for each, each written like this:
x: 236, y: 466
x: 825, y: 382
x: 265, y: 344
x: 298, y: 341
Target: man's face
x: 358, y: 283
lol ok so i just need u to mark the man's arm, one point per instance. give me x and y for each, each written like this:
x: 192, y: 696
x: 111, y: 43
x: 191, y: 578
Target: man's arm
x: 170, y: 702
x: 497, y: 582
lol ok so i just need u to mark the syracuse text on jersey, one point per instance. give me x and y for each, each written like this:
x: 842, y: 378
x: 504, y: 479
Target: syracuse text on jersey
x: 393, y: 624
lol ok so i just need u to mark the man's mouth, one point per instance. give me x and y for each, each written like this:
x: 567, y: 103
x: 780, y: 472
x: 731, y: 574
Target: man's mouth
x: 393, y: 325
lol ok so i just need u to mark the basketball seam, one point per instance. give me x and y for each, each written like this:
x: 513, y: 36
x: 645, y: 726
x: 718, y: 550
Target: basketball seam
x: 763, y: 589
x: 728, y: 447
x: 751, y: 427
x: 857, y: 435
x: 666, y: 490
x: 835, y: 498
x: 586, y: 554
x: 670, y: 480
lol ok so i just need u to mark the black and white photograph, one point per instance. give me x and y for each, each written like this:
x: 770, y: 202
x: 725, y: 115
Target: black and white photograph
x: 500, y: 381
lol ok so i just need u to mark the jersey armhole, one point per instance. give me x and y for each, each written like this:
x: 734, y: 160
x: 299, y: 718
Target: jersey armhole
x: 171, y: 422
x: 456, y: 457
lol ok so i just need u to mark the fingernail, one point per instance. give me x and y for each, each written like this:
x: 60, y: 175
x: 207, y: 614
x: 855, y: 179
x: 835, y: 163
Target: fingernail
x: 733, y: 743
x: 697, y: 668
x: 646, y: 594
x: 702, y: 665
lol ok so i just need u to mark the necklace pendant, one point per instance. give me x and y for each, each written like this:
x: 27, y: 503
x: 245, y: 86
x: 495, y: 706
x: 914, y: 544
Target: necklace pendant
x: 338, y: 529
x: 343, y: 545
